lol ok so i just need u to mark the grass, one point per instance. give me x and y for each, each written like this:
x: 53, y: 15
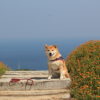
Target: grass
x: 84, y: 67
x: 23, y: 70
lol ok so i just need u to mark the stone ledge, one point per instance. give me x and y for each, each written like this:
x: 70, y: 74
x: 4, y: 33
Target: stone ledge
x: 40, y: 89
x: 34, y: 92
x: 39, y: 79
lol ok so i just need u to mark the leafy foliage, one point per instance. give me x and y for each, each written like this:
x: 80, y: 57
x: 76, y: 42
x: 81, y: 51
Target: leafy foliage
x: 3, y: 68
x: 84, y: 67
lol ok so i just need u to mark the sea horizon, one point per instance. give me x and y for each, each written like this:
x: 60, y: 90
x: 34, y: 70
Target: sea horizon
x: 30, y: 54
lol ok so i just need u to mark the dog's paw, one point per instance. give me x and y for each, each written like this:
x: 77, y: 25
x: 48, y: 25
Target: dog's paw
x: 49, y: 78
x: 68, y: 79
x: 61, y: 78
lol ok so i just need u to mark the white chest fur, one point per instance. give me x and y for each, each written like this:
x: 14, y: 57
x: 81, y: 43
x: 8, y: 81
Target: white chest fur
x: 55, y: 64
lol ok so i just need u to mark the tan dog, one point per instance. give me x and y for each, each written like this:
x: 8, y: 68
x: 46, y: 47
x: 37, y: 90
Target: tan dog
x: 56, y: 64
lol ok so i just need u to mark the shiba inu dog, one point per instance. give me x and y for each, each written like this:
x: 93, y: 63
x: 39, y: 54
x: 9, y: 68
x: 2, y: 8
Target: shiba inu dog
x: 56, y: 64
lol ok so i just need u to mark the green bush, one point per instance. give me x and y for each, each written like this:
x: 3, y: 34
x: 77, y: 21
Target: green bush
x: 84, y: 67
x: 3, y: 68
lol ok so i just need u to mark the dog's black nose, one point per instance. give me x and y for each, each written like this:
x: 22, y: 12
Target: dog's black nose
x: 50, y: 54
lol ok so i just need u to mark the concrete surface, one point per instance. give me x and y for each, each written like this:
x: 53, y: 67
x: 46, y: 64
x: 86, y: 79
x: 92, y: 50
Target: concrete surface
x: 38, y: 87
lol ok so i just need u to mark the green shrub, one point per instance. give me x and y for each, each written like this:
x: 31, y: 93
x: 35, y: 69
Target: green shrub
x: 3, y: 68
x: 84, y: 67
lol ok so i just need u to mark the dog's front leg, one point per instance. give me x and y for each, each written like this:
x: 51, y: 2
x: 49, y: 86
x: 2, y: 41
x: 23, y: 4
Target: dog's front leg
x: 50, y: 72
x: 61, y: 72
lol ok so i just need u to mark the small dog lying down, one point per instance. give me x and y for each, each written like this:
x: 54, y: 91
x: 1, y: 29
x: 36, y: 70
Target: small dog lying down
x: 56, y: 64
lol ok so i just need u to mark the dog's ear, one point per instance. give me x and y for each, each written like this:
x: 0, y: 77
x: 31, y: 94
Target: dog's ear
x: 45, y: 45
x: 55, y: 46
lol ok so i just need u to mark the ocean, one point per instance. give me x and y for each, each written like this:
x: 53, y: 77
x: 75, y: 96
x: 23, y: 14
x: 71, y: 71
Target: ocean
x: 30, y: 54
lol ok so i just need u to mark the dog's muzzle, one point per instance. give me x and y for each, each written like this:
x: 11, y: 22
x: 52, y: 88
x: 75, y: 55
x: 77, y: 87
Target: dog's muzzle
x: 50, y: 54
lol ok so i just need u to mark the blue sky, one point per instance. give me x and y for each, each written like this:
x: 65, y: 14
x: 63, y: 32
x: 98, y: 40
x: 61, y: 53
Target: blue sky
x: 46, y: 19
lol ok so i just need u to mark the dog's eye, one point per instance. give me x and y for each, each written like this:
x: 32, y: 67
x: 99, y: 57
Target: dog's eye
x: 52, y: 50
x: 48, y: 50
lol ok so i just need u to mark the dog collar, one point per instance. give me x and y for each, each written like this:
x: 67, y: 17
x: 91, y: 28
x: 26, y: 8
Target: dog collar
x: 60, y: 58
